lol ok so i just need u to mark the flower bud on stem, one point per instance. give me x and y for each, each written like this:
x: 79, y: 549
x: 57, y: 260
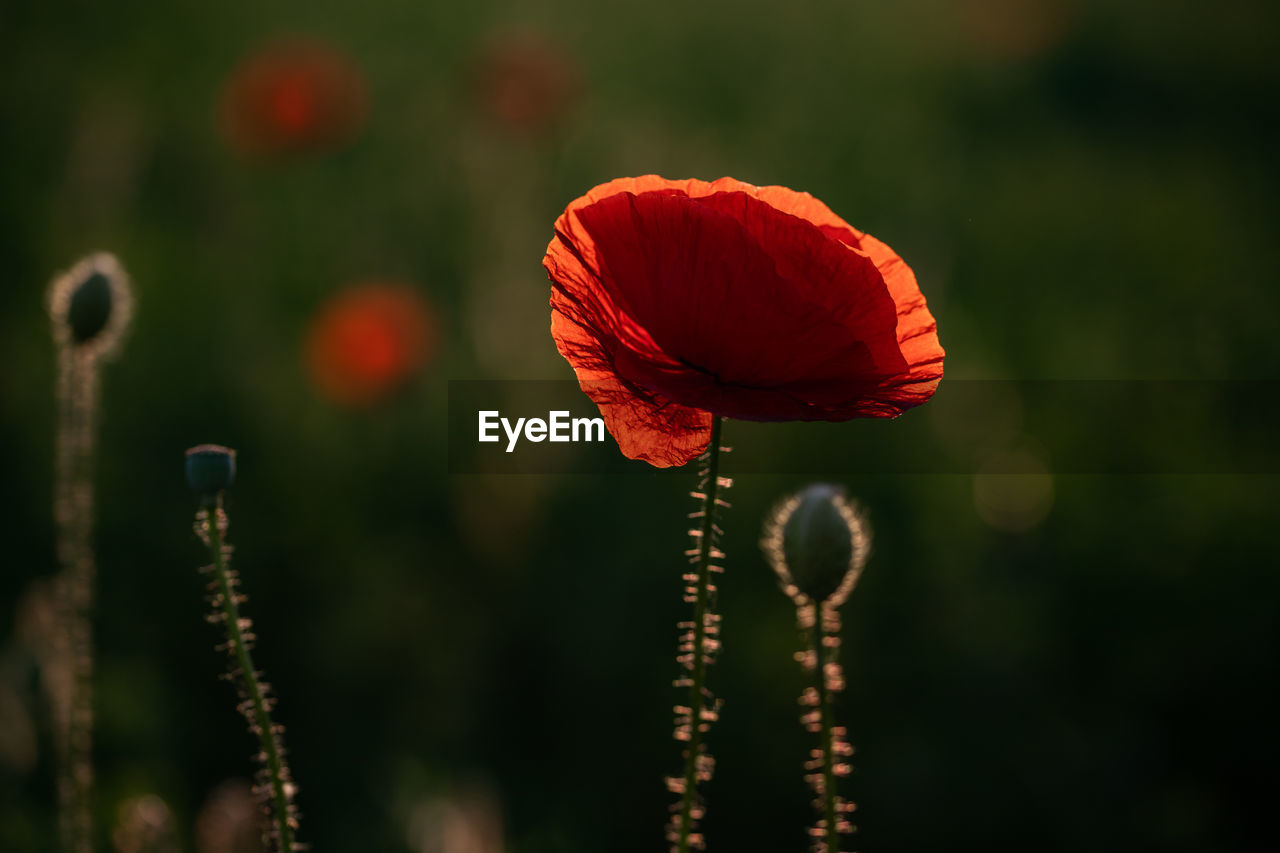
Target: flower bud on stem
x: 817, y: 544
x: 209, y: 470
x: 90, y: 308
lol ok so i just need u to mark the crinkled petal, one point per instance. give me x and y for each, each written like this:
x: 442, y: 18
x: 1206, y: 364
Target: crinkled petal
x: 645, y: 425
x: 917, y: 330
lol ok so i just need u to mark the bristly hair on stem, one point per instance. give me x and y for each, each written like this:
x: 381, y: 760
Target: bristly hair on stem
x: 699, y: 644
x: 818, y: 543
x: 211, y: 469
x: 90, y: 307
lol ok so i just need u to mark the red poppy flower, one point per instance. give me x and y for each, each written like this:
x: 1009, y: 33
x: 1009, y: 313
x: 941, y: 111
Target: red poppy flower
x: 367, y: 341
x: 1014, y: 29
x: 524, y: 83
x: 292, y: 96
x: 678, y: 300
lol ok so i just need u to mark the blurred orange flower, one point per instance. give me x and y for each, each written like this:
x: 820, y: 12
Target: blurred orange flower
x: 1015, y: 30
x: 367, y: 341
x: 525, y: 83
x: 290, y: 96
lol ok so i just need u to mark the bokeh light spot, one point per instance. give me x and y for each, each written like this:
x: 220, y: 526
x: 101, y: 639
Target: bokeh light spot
x: 1013, y: 491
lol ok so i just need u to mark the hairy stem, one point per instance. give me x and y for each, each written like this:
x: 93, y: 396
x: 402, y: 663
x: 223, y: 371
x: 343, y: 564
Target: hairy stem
x: 256, y: 704
x: 829, y: 761
x: 823, y: 655
x: 71, y: 683
x: 698, y: 647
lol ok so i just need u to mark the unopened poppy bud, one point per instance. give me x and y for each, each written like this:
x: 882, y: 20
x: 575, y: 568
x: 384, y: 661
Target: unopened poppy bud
x: 817, y: 543
x: 211, y: 468
x: 91, y: 305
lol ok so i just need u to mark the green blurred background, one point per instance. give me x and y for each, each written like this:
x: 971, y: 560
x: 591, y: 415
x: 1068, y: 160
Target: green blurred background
x: 1086, y: 190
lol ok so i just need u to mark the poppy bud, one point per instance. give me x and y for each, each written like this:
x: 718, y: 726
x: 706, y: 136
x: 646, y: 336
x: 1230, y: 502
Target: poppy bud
x: 210, y: 469
x: 817, y: 543
x: 91, y: 305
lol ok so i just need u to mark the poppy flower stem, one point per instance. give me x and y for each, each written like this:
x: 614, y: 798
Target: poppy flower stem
x: 72, y: 685
x: 820, y: 624
x: 823, y: 648
x: 698, y: 643
x: 275, y: 787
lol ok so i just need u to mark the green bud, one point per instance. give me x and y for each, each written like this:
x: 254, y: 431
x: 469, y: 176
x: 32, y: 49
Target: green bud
x: 211, y: 468
x: 91, y: 305
x: 817, y: 544
x: 89, y: 308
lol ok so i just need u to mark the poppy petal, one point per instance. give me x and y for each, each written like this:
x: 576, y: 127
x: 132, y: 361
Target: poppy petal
x: 917, y: 329
x: 645, y: 425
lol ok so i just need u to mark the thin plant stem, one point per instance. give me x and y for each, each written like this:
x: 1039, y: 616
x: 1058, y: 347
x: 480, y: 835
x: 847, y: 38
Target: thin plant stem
x: 72, y: 685
x: 824, y: 655
x: 256, y: 704
x: 820, y: 623
x: 698, y: 646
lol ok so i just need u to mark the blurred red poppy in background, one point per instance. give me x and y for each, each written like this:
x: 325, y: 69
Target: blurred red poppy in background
x: 525, y: 83
x: 291, y: 96
x: 367, y: 341
x: 678, y: 300
x: 1014, y: 29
